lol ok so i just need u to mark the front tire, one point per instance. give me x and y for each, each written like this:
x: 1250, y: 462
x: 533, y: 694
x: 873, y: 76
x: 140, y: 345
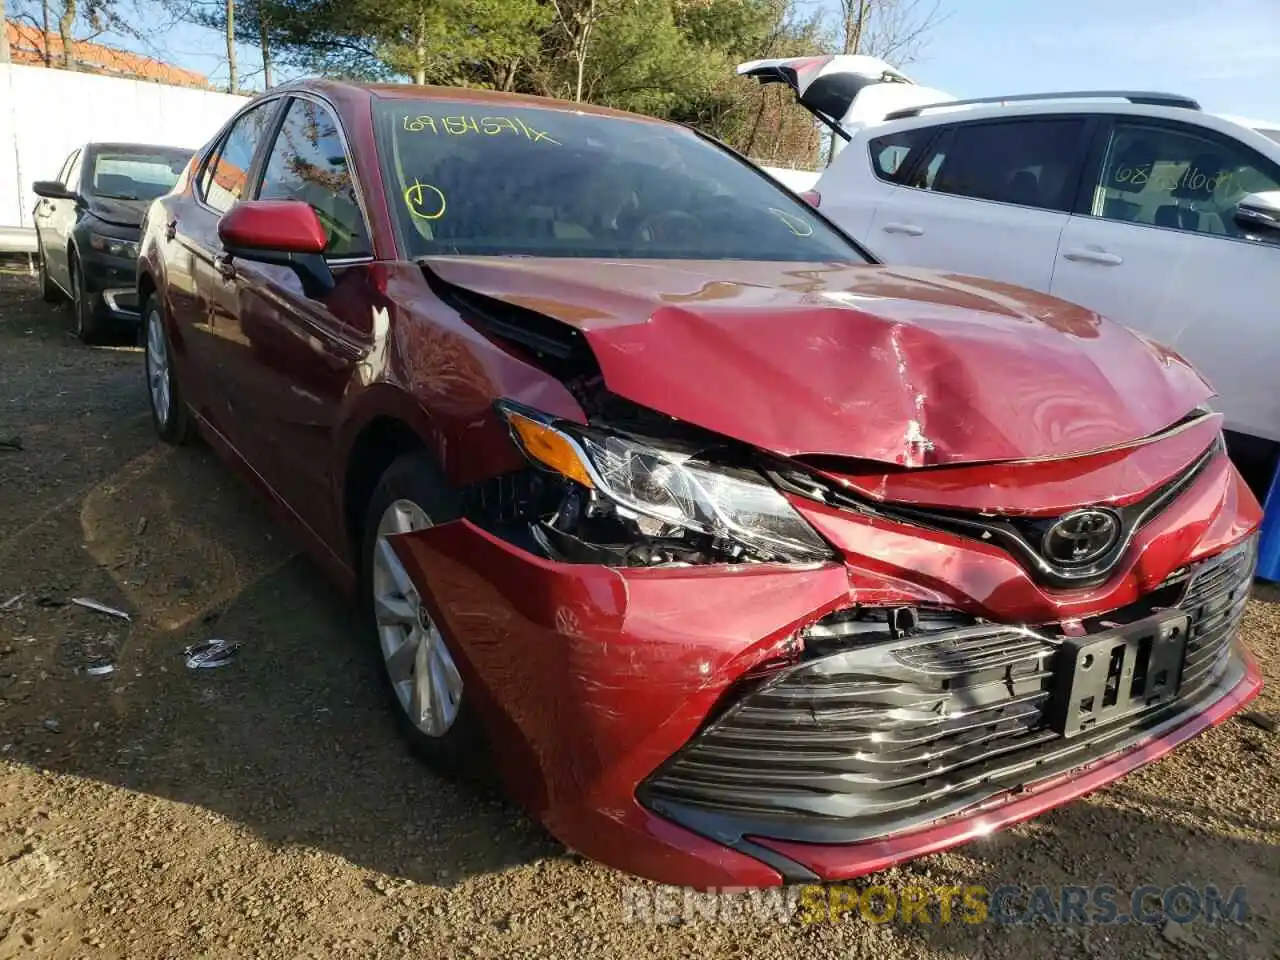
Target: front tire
x: 88, y: 324
x: 49, y: 291
x: 419, y: 669
x: 169, y: 413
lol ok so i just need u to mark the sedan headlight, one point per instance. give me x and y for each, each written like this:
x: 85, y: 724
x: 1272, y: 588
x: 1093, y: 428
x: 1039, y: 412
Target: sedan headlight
x: 114, y: 246
x: 672, y: 489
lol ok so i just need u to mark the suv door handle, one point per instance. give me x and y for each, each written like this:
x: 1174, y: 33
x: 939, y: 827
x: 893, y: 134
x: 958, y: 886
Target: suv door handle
x: 225, y: 266
x: 1093, y: 256
x: 910, y: 229
x: 171, y: 229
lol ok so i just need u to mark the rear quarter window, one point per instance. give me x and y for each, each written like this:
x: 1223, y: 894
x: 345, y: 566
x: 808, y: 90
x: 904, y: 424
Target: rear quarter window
x: 892, y: 154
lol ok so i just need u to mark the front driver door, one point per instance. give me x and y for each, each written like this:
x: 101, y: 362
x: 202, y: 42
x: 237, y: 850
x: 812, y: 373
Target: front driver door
x: 296, y: 355
x: 1156, y: 247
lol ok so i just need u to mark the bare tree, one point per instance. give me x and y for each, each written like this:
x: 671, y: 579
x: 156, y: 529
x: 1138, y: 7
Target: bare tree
x: 578, y: 19
x: 893, y: 30
x: 231, y: 46
x: 65, y: 23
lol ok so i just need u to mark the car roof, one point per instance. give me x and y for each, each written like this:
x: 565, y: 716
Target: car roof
x: 347, y: 91
x: 97, y: 145
x: 943, y: 114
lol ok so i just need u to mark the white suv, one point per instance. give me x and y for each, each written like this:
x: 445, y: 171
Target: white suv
x: 1137, y: 205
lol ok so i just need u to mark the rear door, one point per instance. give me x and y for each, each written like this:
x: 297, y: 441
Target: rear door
x: 988, y: 198
x: 1154, y: 245
x: 294, y: 356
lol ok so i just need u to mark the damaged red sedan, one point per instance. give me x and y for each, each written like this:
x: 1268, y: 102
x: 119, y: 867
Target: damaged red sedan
x: 744, y: 558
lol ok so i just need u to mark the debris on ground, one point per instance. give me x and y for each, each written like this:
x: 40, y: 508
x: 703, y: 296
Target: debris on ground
x: 141, y: 527
x: 213, y: 653
x: 11, y: 443
x: 89, y: 604
x: 53, y: 726
x: 100, y: 670
x: 12, y: 601
x: 1263, y: 721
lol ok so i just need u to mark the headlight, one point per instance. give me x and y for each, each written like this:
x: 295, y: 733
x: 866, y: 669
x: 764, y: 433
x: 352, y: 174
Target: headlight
x: 671, y: 488
x: 114, y: 246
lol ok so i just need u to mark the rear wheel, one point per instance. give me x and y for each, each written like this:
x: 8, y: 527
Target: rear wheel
x: 168, y: 413
x: 88, y: 324
x: 419, y: 666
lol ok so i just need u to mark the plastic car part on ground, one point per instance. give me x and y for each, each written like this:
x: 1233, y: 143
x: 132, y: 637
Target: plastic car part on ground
x: 210, y: 654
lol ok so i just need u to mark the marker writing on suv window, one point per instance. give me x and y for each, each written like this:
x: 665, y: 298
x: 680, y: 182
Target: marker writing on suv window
x: 489, y: 126
x: 421, y: 197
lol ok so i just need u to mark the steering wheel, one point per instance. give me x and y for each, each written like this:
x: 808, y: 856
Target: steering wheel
x: 645, y: 228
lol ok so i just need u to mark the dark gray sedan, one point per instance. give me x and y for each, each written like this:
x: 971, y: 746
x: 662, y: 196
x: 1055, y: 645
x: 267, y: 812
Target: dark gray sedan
x: 87, y: 228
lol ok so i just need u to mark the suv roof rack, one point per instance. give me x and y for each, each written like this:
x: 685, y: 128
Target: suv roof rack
x: 1133, y: 96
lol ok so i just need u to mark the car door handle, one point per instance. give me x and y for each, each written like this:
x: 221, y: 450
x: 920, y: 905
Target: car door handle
x: 909, y: 229
x: 1085, y: 255
x: 171, y: 229
x: 225, y: 266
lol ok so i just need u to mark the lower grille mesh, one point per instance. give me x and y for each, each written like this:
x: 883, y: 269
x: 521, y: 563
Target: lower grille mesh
x: 913, y: 727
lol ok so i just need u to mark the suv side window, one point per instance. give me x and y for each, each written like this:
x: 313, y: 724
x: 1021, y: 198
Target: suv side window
x: 891, y: 154
x: 1032, y: 163
x: 224, y: 178
x: 1177, y: 178
x: 308, y: 163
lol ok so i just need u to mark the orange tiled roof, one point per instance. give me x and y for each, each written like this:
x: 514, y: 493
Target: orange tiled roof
x: 26, y: 45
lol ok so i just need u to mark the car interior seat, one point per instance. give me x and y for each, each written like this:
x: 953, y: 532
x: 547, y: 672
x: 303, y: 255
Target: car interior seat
x: 1139, y: 156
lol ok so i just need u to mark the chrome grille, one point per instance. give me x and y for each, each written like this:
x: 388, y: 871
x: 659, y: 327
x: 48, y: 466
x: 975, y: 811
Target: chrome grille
x: 915, y: 728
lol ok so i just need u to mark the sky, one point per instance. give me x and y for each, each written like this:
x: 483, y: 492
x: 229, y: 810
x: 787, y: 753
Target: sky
x: 1225, y: 53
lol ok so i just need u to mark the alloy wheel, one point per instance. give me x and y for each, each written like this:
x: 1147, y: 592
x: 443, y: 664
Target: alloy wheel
x: 423, y: 674
x: 158, y: 367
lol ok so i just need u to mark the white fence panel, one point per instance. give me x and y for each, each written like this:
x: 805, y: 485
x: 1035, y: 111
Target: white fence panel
x: 45, y: 114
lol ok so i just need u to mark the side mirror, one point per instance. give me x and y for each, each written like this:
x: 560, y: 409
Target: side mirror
x: 283, y: 232
x: 1259, y: 213
x: 53, y: 190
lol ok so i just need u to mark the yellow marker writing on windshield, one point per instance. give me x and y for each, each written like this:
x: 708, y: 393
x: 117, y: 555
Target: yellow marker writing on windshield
x: 797, y: 225
x: 423, y: 197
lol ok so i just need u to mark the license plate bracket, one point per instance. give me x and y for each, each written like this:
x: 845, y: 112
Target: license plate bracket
x: 1100, y: 678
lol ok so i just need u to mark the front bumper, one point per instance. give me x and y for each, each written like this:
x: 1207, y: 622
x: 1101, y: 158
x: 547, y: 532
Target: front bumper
x: 597, y: 683
x: 113, y: 283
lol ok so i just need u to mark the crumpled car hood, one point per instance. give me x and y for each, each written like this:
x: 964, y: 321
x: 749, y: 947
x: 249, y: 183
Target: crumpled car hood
x: 125, y: 213
x: 892, y: 364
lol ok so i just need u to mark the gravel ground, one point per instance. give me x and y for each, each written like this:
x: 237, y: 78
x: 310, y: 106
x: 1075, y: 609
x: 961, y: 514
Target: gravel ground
x: 267, y: 810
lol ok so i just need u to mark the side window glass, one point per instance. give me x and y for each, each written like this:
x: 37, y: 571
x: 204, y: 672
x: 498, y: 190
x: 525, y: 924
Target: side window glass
x: 890, y: 154
x: 308, y: 163
x: 1028, y: 162
x: 72, y: 181
x: 926, y: 174
x: 1177, y: 179
x: 225, y: 177
x: 66, y: 166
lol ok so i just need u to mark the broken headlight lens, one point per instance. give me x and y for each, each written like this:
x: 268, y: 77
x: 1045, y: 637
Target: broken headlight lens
x: 676, y: 489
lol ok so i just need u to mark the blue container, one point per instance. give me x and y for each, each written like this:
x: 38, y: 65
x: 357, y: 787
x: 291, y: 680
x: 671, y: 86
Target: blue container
x: 1269, y: 546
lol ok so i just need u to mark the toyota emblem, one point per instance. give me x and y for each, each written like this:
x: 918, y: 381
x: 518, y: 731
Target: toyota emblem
x: 1081, y: 537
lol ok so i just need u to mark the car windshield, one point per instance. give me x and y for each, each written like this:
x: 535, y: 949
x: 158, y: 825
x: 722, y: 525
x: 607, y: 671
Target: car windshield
x: 474, y: 178
x: 122, y: 175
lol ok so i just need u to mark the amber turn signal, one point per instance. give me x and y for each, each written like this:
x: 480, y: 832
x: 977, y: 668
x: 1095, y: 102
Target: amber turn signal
x: 550, y: 447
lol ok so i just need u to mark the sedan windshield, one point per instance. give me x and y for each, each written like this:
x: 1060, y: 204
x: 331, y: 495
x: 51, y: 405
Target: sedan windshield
x: 136, y: 176
x: 511, y: 179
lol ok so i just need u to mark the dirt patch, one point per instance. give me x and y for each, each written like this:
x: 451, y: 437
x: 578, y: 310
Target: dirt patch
x: 267, y: 809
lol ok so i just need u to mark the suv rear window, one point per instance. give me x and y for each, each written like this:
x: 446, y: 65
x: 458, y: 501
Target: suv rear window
x: 891, y: 155
x: 510, y: 179
x: 1032, y: 163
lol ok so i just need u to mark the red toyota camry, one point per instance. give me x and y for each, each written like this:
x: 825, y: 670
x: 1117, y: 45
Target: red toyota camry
x: 744, y: 558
